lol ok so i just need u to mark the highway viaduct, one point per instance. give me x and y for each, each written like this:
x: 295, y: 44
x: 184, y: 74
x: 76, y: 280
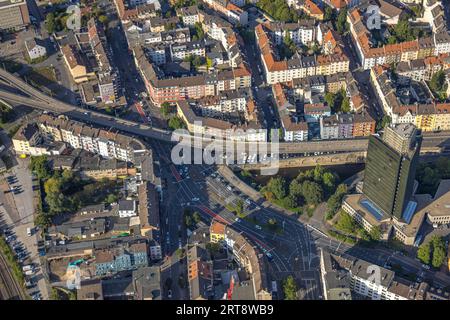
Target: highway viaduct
x: 344, y: 151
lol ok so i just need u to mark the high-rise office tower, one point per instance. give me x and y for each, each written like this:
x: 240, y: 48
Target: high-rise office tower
x: 13, y: 14
x: 390, y: 171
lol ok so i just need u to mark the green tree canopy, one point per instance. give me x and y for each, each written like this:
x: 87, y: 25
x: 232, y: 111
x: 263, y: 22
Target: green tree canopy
x: 278, y: 187
x: 50, y: 22
x: 424, y: 253
x: 176, y: 123
x: 439, y: 251
x: 312, y: 192
x: 39, y: 165
x: 290, y: 288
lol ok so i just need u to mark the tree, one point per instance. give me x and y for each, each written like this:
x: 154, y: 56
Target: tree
x: 437, y: 82
x: 42, y: 220
x: 278, y: 187
x: 199, y: 31
x: 290, y: 288
x: 196, y: 216
x: 290, y: 202
x: 334, y: 202
x: 345, y: 106
x: 239, y: 207
x: 176, y: 123
x: 329, y: 99
x: 312, y: 192
x: 318, y: 173
x: 40, y: 166
x: 424, y: 253
x: 111, y: 198
x: 198, y: 61
x: 375, y: 233
x: 363, y: 234
x: 346, y: 223
x: 50, y: 22
x: 439, y: 252
x: 328, y: 14
x: 295, y: 188
x: 188, y: 220
x: 329, y: 181
x: 166, y: 109
x: 443, y: 166
x: 341, y: 23
x: 386, y: 120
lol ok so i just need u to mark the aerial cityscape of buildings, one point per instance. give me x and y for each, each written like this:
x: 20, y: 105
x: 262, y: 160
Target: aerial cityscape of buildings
x: 348, y: 99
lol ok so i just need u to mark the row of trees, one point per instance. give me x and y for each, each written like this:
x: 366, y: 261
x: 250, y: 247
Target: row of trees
x: 309, y: 187
x: 349, y: 225
x: 434, y: 252
x: 335, y: 201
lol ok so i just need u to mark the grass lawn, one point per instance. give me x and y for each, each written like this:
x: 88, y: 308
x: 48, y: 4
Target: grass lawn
x: 42, y: 76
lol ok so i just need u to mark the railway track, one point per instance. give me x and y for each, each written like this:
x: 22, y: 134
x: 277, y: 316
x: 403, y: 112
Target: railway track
x: 9, y: 288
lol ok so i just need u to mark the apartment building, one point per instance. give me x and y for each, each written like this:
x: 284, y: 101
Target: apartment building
x: 250, y: 259
x: 301, y: 33
x: 136, y: 10
x: 375, y: 282
x: 250, y: 130
x: 14, y: 14
x: 371, y: 56
x: 156, y: 53
x: 200, y: 273
x: 227, y: 102
x: 298, y: 66
x: 124, y: 257
x: 217, y: 232
x: 312, y: 9
x: 181, y: 51
x: 105, y: 143
x: 232, y: 12
x: 164, y: 89
x: 189, y: 15
x: 293, y: 129
x: 313, y: 112
x: 36, y: 48
x: 78, y: 67
x: 363, y: 124
x: 425, y: 116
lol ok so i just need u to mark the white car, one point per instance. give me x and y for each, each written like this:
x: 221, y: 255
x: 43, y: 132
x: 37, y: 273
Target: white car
x: 237, y: 220
x: 258, y: 227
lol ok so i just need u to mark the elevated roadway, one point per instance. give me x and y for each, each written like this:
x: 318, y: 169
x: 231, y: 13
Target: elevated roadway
x: 37, y: 99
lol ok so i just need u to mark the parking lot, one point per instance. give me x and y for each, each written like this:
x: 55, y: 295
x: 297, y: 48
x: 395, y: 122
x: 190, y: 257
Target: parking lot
x: 16, y: 197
